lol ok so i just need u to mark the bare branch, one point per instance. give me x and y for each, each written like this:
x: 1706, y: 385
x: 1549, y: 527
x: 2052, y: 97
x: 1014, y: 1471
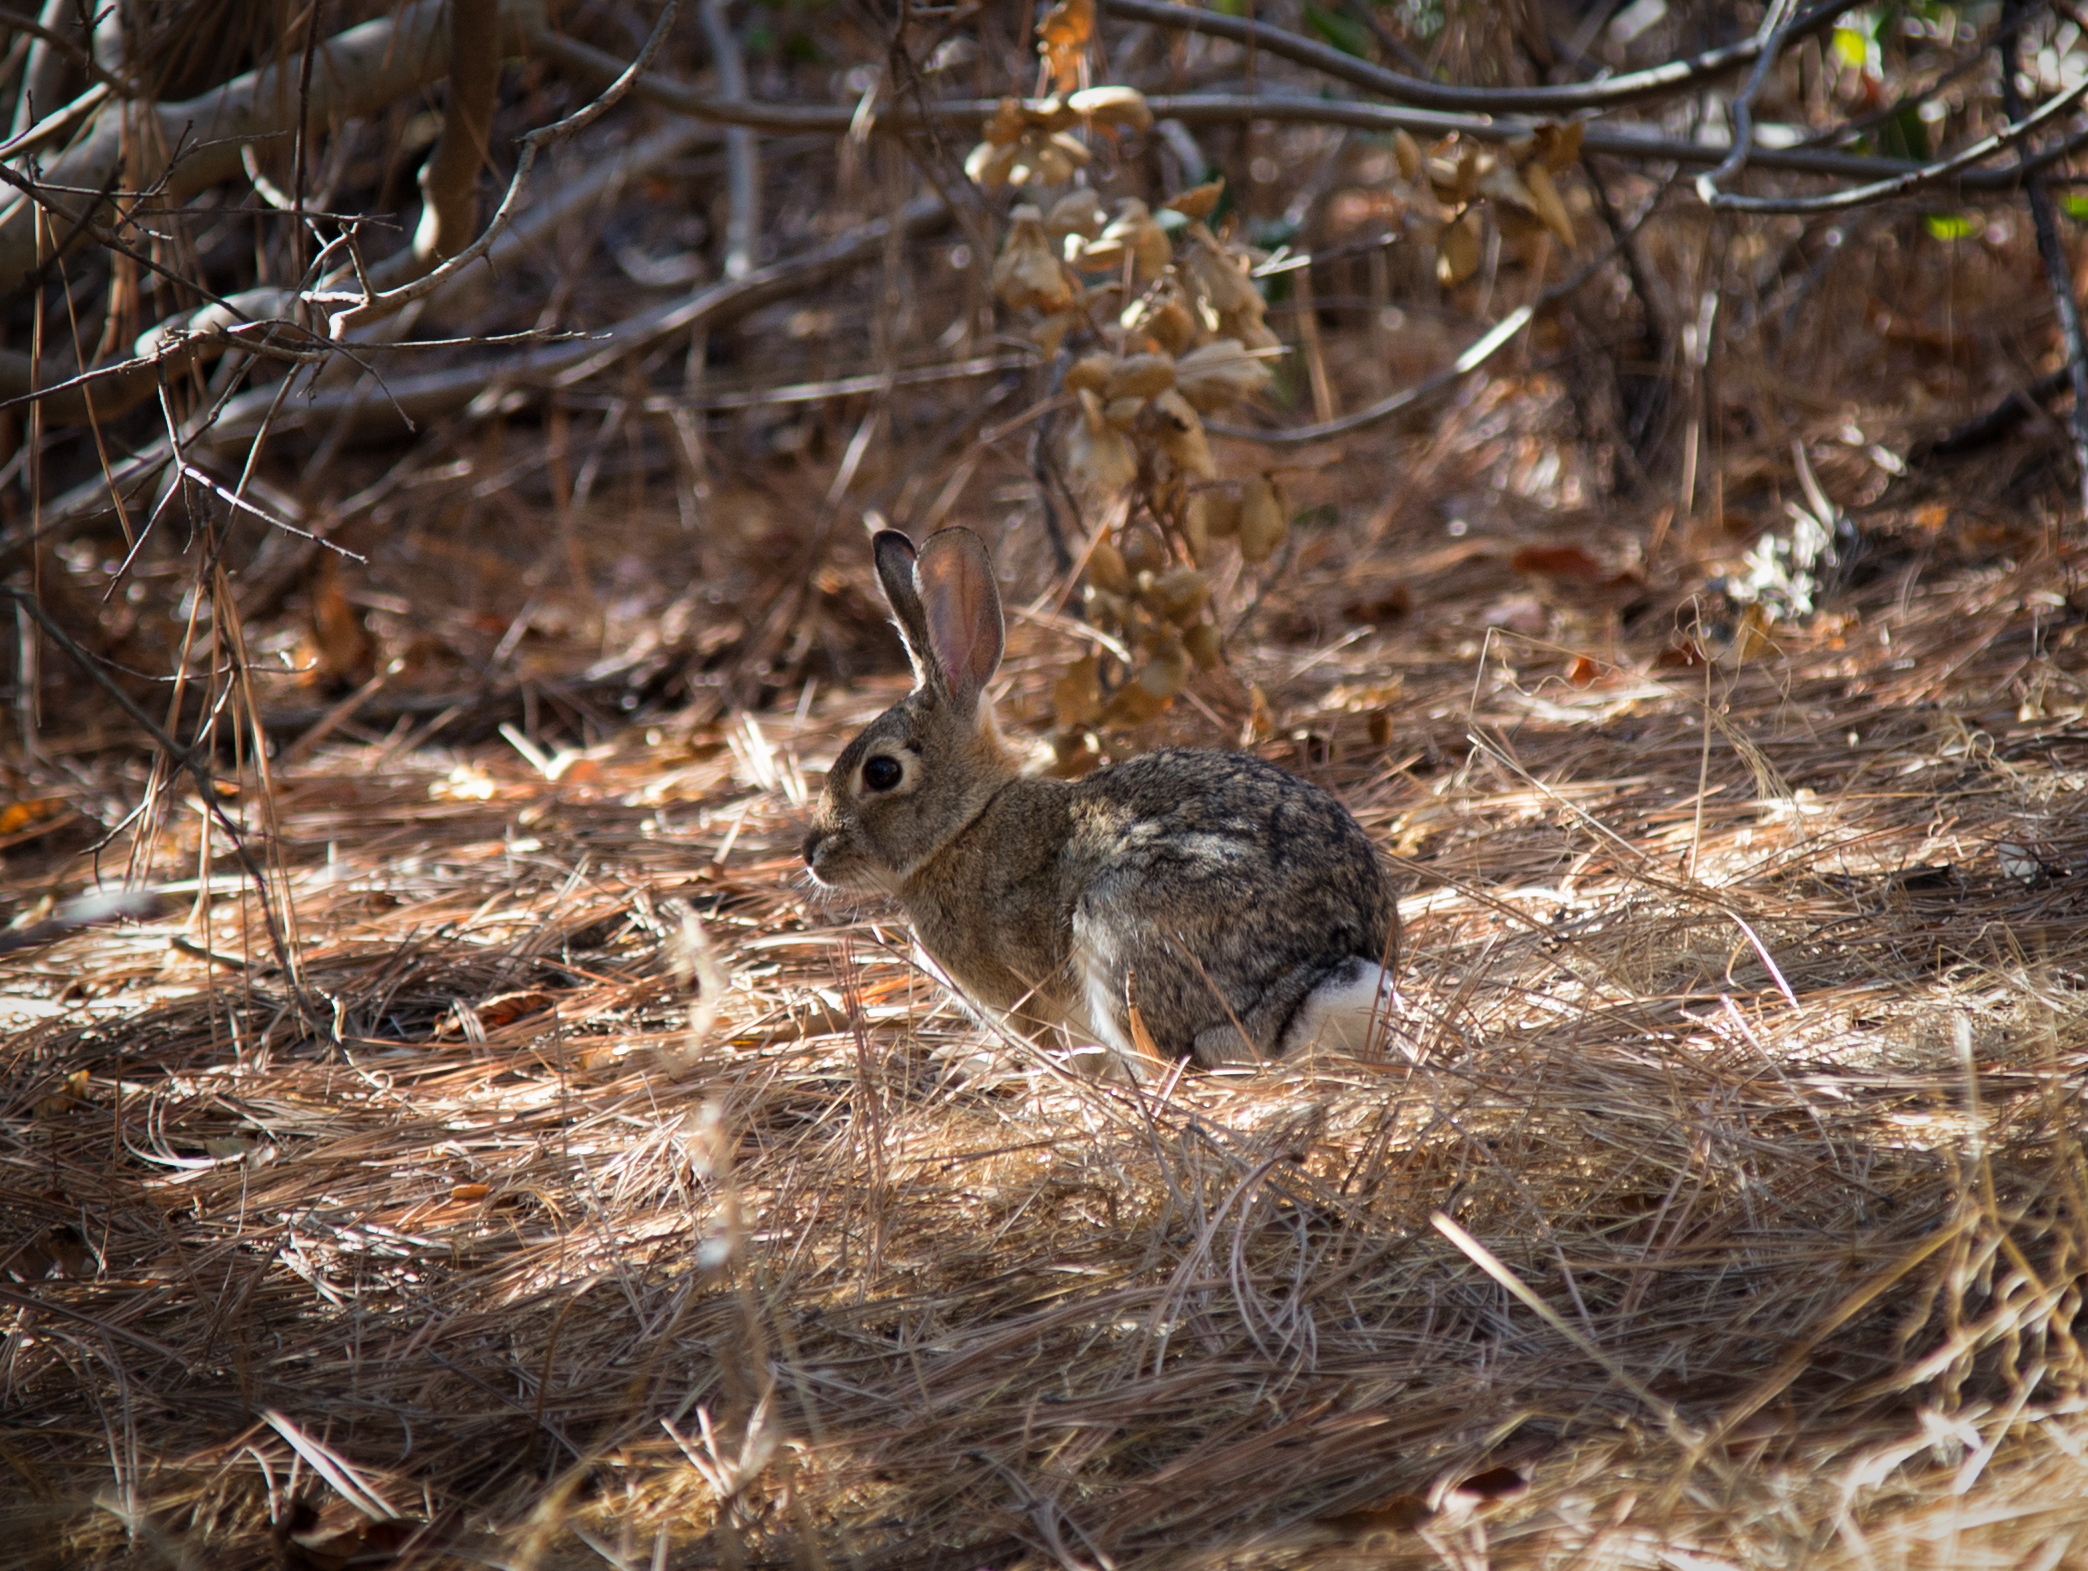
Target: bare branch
x: 357, y: 72
x: 438, y: 393
x: 374, y: 307
x: 1632, y: 87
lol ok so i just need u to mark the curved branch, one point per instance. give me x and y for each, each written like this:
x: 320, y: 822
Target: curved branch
x: 369, y: 308
x: 1614, y: 140
x: 357, y: 72
x: 1930, y: 174
x: 1630, y: 88
x: 437, y: 393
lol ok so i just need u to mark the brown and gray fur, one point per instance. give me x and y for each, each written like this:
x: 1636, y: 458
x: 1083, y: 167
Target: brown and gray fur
x: 1242, y: 908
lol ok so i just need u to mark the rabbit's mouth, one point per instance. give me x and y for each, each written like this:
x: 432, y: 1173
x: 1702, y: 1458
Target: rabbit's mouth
x: 833, y: 868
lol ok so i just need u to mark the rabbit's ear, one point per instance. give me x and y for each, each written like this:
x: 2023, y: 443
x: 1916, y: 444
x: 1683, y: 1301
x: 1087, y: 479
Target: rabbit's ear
x: 963, y: 609
x: 895, y: 571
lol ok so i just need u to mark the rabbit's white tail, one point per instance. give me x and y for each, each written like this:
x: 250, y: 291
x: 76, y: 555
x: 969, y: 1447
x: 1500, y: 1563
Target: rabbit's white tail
x: 1350, y: 1012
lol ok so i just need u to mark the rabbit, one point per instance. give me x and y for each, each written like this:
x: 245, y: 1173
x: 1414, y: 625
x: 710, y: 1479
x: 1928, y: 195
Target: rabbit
x: 1242, y: 910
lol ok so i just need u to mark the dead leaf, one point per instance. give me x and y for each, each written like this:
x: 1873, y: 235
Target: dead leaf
x: 1459, y: 251
x: 18, y: 816
x: 1199, y: 201
x: 1567, y: 562
x: 1076, y: 697
x: 339, y: 641
x: 67, y: 1095
x: 1062, y: 39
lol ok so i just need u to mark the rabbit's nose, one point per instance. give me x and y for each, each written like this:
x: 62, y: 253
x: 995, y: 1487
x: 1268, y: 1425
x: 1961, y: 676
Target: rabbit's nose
x: 812, y: 844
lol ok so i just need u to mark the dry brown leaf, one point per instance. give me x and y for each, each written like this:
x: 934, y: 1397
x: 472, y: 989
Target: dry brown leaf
x: 338, y: 638
x: 1076, y: 697
x: 1140, y: 376
x: 1199, y: 201
x: 1220, y: 374
x: 1567, y: 562
x: 1062, y: 39
x: 1090, y: 373
x: 1112, y: 106
x: 1026, y: 274
x: 1263, y: 522
x: 1408, y: 152
x: 1459, y: 251
x: 1545, y: 202
x: 1178, y: 430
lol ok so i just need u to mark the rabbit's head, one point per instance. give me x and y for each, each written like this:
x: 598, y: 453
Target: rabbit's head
x: 925, y: 768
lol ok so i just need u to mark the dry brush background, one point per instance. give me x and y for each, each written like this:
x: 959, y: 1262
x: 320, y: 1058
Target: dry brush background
x: 473, y: 1144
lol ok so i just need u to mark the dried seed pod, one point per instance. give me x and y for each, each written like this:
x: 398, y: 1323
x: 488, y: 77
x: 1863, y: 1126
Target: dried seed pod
x: 1179, y: 595
x: 1164, y: 671
x: 1098, y: 456
x: 1458, y: 251
x: 1062, y: 39
x: 1026, y: 273
x: 1545, y: 202
x: 987, y: 164
x: 1203, y: 646
x: 1179, y: 431
x: 1107, y: 611
x: 1262, y: 520
x: 1007, y: 124
x: 1108, y: 570
x: 1220, y: 506
x: 1141, y: 376
x: 1558, y: 146
x: 1134, y: 704
x: 1216, y: 273
x: 1077, y: 696
x: 1122, y: 413
x: 1196, y: 530
x: 1199, y: 201
x: 1076, y: 213
x: 1090, y: 373
x: 1219, y: 375
x: 1052, y: 331
x: 1074, y: 752
x: 1170, y: 325
x: 1134, y: 230
x: 1408, y: 152
x: 1144, y: 550
x: 1113, y: 106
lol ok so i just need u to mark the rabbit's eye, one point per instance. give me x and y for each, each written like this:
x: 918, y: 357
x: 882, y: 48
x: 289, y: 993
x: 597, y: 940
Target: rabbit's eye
x: 882, y: 773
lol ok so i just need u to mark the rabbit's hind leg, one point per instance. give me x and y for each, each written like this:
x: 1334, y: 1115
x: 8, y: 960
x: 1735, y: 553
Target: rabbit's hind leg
x: 1347, y: 1012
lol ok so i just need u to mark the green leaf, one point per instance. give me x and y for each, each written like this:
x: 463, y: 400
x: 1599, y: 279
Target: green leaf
x: 1344, y: 33
x: 1851, y: 47
x: 2076, y: 206
x: 1230, y: 7
x: 1948, y: 226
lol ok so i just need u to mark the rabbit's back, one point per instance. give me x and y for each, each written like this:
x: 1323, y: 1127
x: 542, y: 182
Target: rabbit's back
x: 1219, y: 891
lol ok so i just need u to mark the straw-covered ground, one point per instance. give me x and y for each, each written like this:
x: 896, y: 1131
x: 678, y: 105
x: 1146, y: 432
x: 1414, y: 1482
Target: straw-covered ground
x: 609, y: 1199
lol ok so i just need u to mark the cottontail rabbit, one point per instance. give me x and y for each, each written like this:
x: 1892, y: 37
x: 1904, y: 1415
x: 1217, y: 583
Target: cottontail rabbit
x: 1241, y: 909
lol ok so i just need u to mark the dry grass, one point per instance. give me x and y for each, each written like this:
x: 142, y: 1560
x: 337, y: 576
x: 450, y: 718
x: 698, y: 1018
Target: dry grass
x: 1756, y: 1068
